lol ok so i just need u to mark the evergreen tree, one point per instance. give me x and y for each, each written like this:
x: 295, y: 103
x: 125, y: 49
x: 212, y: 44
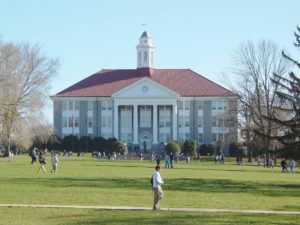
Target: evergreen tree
x: 288, y: 115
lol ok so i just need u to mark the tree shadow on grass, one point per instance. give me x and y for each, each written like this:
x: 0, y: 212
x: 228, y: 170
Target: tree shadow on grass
x: 174, y: 218
x: 182, y: 185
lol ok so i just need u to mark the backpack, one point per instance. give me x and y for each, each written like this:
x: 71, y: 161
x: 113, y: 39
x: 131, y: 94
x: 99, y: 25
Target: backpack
x: 151, y: 181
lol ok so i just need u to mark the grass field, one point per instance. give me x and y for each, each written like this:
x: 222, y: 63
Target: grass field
x: 88, y: 181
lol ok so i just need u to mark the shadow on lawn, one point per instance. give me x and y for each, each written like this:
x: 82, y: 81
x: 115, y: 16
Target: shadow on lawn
x: 184, y: 218
x: 183, y: 184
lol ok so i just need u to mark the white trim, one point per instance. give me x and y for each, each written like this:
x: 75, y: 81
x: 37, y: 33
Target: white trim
x: 118, y: 93
x: 60, y: 98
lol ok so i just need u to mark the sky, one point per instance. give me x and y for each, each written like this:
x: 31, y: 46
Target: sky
x: 90, y: 35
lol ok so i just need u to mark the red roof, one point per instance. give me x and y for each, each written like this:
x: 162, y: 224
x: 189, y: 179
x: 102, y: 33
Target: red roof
x: 185, y: 82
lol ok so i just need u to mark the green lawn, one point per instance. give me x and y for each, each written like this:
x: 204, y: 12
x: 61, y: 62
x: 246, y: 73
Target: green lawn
x: 88, y: 181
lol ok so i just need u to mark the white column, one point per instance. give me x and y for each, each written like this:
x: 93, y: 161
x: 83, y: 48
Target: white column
x: 135, y: 124
x: 116, y: 121
x: 155, y: 124
x: 174, y: 122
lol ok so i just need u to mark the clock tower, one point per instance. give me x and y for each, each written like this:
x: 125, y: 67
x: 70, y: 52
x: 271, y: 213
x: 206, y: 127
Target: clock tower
x: 145, y: 52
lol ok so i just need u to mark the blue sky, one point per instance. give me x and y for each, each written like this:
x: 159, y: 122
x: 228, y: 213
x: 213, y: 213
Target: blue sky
x: 91, y: 35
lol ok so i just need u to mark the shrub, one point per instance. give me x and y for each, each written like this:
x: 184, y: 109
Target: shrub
x: 173, y: 147
x: 236, y: 150
x: 119, y: 147
x: 206, y: 149
x: 189, y: 147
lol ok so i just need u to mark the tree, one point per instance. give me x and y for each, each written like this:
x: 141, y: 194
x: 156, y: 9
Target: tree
x: 99, y: 144
x: 25, y: 74
x: 189, y: 147
x: 108, y: 145
x: 172, y: 147
x: 85, y: 143
x: 70, y: 143
x: 254, y: 65
x: 289, y: 118
x: 119, y: 147
x: 40, y: 135
x: 236, y: 150
x: 206, y: 149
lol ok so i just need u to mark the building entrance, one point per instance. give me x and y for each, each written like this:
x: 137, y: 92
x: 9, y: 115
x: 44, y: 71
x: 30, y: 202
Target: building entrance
x: 145, y: 140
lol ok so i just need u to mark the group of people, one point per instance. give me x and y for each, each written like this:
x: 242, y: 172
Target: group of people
x: 42, y: 160
x: 291, y: 164
x: 219, y: 159
x: 169, y: 160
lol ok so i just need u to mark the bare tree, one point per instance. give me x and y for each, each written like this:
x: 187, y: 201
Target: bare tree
x: 25, y: 75
x: 254, y: 65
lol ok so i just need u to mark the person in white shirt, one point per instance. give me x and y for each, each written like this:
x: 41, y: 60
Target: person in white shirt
x: 292, y: 165
x: 156, y: 186
x: 54, y: 161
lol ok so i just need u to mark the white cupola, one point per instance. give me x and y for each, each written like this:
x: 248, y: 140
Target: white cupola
x: 145, y: 52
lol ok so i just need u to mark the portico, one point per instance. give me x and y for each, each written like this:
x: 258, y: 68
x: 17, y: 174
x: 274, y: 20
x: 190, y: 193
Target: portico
x: 150, y: 111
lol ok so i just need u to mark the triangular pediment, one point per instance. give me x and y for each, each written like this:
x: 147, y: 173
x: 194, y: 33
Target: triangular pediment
x: 145, y: 88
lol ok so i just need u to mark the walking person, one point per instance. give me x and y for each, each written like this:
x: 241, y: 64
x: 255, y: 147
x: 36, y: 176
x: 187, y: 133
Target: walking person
x: 10, y: 156
x: 54, y: 161
x: 171, y: 159
x: 156, y: 186
x: 42, y: 163
x: 158, y: 159
x: 32, y: 155
x: 283, y: 166
x: 292, y: 165
x: 167, y: 161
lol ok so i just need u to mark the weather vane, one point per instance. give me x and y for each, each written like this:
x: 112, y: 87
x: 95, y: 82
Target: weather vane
x: 145, y: 26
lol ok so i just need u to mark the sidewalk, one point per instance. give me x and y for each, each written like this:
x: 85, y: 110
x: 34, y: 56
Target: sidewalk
x: 163, y: 209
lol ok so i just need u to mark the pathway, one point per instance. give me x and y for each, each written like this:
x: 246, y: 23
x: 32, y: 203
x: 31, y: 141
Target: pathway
x: 148, y: 208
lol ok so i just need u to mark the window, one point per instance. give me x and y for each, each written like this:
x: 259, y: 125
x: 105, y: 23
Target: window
x: 109, y: 105
x: 106, y: 121
x: 200, y: 106
x: 77, y: 103
x: 64, y: 106
x: 214, y: 137
x: 76, y: 121
x: 200, y: 121
x: 180, y: 121
x: 187, y: 105
x: 109, y: 121
x: 70, y: 122
x: 145, y: 117
x: 71, y: 105
x: 220, y: 122
x: 90, y: 105
x: 220, y: 137
x: 187, y: 136
x: 106, y: 105
x: 213, y: 121
x: 187, y: 121
x: 213, y: 105
x: 218, y: 105
x: 180, y: 105
x: 200, y: 138
x: 65, y: 121
x: 90, y: 122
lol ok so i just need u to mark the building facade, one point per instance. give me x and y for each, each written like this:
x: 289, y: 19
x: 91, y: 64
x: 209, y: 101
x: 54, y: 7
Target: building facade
x: 147, y: 107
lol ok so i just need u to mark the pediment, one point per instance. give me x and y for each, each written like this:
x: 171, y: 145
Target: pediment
x: 145, y: 88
